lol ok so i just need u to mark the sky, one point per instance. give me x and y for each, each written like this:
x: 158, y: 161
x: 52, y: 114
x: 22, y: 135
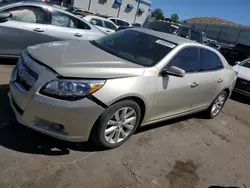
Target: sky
x: 237, y: 11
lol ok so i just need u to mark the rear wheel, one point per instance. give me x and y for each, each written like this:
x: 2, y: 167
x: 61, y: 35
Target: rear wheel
x: 217, y: 105
x: 117, y: 124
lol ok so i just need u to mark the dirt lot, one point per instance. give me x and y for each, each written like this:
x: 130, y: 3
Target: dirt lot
x: 184, y: 153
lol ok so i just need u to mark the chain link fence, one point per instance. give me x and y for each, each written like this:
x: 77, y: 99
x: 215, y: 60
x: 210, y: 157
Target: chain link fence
x: 225, y: 34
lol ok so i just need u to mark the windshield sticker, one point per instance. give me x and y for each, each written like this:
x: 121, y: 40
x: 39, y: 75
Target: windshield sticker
x: 165, y: 43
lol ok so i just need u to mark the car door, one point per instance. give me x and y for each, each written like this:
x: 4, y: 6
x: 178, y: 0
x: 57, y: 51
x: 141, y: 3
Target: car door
x: 110, y: 27
x: 211, y: 79
x: 26, y: 27
x: 66, y: 27
x: 175, y: 95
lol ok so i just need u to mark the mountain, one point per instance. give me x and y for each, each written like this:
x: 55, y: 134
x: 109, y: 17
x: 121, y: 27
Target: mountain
x: 217, y: 21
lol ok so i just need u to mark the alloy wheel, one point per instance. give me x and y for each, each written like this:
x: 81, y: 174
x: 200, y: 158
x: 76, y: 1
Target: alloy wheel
x: 120, y: 125
x: 218, y: 104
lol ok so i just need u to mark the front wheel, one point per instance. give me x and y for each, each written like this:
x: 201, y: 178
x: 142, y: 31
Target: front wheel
x: 217, y: 105
x: 117, y: 124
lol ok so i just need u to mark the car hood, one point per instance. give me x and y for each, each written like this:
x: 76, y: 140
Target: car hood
x: 81, y: 59
x: 243, y: 72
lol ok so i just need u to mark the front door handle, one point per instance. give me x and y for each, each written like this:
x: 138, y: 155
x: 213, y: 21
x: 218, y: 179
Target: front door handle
x: 107, y: 31
x: 194, y: 84
x: 220, y: 80
x: 39, y: 30
x: 78, y: 35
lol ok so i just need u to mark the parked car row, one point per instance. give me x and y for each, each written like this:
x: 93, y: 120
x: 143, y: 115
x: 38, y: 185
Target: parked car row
x: 27, y: 23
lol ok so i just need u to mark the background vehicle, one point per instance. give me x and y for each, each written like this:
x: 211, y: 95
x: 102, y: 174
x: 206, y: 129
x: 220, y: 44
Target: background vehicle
x: 103, y: 24
x: 91, y: 83
x: 234, y: 53
x: 242, y: 85
x: 32, y: 23
x: 119, y: 22
x: 175, y: 29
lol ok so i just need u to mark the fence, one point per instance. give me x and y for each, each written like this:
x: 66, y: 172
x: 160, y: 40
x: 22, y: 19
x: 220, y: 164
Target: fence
x: 226, y: 34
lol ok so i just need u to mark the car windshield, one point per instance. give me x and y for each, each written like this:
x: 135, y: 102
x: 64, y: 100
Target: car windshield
x: 245, y: 63
x: 161, y: 26
x: 136, y: 47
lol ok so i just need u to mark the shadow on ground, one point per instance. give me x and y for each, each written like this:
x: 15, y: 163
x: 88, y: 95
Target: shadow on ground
x: 8, y: 61
x: 19, y: 138
x: 240, y: 98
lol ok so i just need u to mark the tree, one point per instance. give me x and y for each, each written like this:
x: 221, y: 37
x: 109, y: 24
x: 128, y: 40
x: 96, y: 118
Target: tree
x: 175, y: 18
x: 158, y: 14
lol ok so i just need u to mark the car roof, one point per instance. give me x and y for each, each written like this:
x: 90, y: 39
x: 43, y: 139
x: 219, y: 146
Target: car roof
x: 98, y: 17
x: 173, y: 38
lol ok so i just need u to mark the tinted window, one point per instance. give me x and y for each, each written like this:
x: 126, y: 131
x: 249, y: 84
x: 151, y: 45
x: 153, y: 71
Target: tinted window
x: 113, y: 20
x: 98, y: 22
x: 64, y: 20
x: 27, y: 14
x: 136, y: 47
x: 126, y: 24
x: 245, y: 63
x: 109, y: 25
x: 210, y: 60
x: 183, y: 33
x: 120, y: 23
x: 187, y: 59
x: 195, y: 36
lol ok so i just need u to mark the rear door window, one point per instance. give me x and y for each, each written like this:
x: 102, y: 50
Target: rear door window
x: 120, y: 23
x: 210, y: 61
x: 109, y: 25
x: 98, y: 22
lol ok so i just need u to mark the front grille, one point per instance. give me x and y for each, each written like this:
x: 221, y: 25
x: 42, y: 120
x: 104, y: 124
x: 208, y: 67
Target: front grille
x: 243, y: 84
x: 26, y: 77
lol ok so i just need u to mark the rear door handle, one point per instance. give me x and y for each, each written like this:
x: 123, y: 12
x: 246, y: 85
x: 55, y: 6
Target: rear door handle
x: 39, y: 30
x: 108, y: 31
x: 78, y: 35
x: 220, y: 80
x: 194, y: 84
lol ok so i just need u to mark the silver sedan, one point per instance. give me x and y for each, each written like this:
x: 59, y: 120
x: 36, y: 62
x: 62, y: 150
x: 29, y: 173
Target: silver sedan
x: 106, y: 89
x: 27, y: 23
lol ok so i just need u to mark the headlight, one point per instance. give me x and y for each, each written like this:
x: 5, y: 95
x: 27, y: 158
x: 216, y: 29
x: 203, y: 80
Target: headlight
x: 71, y: 89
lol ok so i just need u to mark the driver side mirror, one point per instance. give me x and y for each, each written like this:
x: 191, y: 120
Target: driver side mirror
x: 93, y: 22
x: 173, y: 71
x: 5, y: 15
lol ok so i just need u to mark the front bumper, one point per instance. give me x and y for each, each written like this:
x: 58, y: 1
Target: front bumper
x: 45, y: 114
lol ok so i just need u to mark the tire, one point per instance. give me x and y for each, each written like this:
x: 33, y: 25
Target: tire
x: 105, y: 124
x: 209, y: 113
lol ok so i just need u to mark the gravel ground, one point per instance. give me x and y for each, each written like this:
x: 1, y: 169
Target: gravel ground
x: 187, y: 152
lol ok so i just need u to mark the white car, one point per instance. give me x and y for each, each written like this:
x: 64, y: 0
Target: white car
x: 242, y: 85
x: 103, y: 24
x: 119, y: 22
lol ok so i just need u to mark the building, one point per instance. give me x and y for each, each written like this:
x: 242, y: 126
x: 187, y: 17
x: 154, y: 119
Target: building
x: 134, y: 11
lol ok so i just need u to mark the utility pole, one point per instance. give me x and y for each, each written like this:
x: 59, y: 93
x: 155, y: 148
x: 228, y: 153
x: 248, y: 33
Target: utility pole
x: 137, y: 9
x: 119, y: 9
x: 89, y: 5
